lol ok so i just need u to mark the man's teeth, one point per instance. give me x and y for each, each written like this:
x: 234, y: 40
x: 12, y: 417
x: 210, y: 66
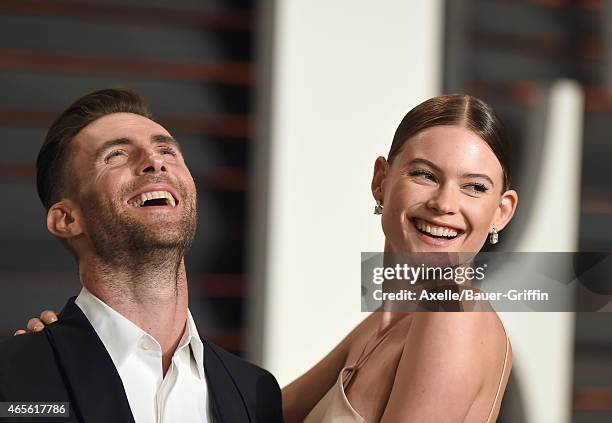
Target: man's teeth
x: 153, y: 195
x: 436, y: 230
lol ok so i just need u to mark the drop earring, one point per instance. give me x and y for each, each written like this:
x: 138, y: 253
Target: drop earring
x: 494, y: 237
x: 378, y: 208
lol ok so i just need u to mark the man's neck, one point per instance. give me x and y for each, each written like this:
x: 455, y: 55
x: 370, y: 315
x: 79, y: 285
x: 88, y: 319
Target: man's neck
x: 153, y: 297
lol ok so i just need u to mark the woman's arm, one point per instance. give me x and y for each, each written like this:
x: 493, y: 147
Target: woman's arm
x: 444, y: 366
x: 301, y: 395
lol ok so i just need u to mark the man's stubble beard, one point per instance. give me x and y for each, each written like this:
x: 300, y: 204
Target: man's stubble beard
x: 121, y: 240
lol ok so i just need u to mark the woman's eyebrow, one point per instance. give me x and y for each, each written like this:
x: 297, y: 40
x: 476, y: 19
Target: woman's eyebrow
x: 479, y: 175
x: 426, y: 162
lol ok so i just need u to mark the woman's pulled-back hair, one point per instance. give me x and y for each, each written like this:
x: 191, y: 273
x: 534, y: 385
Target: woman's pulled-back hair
x: 456, y: 110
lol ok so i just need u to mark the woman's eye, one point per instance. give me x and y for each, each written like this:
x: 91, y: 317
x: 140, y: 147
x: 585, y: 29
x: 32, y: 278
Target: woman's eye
x: 479, y: 188
x: 423, y: 174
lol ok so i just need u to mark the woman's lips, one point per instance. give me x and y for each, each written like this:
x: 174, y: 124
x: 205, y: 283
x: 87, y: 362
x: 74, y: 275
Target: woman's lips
x: 433, y: 240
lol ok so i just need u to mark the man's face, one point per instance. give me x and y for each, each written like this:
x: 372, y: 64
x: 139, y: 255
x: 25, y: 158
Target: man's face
x: 133, y: 187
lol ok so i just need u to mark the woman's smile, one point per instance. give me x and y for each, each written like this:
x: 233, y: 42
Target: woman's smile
x: 436, y: 235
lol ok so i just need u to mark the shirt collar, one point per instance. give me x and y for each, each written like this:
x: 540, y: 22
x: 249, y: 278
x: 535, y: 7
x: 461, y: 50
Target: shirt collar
x: 121, y: 336
x: 192, y: 337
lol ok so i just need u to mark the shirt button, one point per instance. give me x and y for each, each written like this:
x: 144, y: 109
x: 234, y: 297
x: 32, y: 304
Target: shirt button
x: 145, y: 344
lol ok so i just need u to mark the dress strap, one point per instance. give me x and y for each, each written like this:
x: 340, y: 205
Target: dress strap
x: 501, y: 380
x: 363, y: 357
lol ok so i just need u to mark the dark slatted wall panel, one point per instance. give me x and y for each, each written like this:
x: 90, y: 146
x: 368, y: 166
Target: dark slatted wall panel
x: 507, y: 52
x: 192, y: 60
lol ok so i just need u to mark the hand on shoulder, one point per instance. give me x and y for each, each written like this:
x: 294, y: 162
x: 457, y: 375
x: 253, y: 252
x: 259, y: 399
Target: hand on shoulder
x: 37, y: 324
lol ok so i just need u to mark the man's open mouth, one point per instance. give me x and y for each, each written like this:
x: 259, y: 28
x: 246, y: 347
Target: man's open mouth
x: 153, y: 198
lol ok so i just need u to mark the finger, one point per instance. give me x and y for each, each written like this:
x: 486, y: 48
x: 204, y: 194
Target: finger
x: 48, y: 317
x: 19, y: 332
x: 35, y: 325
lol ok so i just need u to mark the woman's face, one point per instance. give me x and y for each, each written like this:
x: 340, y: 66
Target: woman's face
x: 443, y: 193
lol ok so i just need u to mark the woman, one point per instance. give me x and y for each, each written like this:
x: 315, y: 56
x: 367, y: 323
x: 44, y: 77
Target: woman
x: 445, y: 187
x: 447, y: 172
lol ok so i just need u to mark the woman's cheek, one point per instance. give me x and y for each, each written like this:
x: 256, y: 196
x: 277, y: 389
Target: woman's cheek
x: 391, y: 227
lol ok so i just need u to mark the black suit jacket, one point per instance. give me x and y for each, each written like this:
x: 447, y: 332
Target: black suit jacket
x: 68, y: 362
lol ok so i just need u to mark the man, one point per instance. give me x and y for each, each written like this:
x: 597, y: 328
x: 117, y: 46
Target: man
x: 121, y: 199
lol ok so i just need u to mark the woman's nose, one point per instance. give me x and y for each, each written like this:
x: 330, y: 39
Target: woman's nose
x: 444, y: 201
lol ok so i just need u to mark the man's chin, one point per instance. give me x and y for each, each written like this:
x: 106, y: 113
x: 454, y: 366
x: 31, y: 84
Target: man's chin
x: 163, y: 239
x: 130, y: 234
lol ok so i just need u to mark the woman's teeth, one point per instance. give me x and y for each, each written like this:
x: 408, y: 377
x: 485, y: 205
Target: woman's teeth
x: 435, y: 230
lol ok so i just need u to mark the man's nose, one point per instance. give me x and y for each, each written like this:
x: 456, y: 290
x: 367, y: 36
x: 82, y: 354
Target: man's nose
x: 444, y: 201
x: 152, y: 163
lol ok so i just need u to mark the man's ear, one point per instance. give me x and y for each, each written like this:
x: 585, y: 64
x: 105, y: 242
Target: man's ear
x: 64, y: 220
x: 381, y: 167
x: 506, y: 209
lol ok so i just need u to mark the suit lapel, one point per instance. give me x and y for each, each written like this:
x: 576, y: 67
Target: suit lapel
x: 90, y: 376
x: 227, y: 402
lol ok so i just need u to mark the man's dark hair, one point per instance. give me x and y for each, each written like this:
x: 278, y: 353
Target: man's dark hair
x: 53, y: 176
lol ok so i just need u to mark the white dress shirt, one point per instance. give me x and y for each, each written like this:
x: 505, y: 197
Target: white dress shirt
x: 180, y: 396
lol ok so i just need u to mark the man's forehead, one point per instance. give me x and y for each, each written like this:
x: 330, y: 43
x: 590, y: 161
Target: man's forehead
x: 118, y: 125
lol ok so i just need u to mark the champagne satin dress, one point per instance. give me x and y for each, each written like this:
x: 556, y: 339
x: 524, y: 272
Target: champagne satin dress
x: 335, y: 407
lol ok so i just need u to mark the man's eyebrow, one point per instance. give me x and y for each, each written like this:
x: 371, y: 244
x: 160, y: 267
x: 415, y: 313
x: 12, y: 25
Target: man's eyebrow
x: 156, y: 139
x: 112, y: 143
x: 165, y: 139
x: 465, y: 175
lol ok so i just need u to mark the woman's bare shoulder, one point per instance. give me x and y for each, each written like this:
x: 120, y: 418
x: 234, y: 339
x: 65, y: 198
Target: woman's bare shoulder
x: 479, y: 334
x: 464, y: 323
x: 448, y: 355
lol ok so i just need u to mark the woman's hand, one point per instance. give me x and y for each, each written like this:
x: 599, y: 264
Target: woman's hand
x: 38, y: 324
